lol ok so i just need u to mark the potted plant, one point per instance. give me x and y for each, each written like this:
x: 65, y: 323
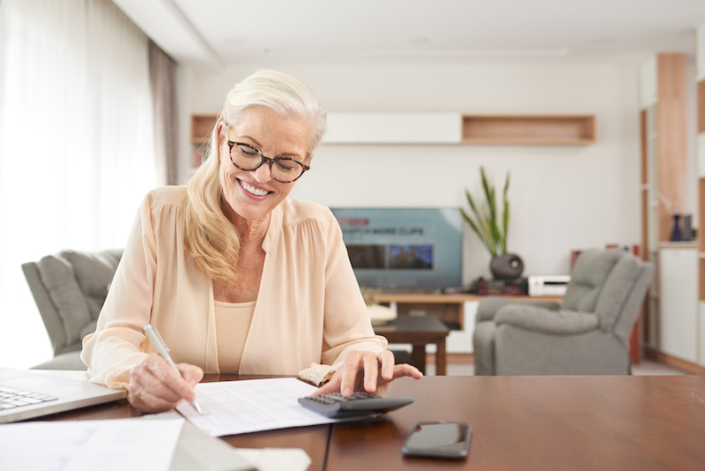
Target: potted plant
x: 492, y: 229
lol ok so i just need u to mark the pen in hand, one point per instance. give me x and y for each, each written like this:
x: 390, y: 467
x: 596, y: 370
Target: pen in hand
x: 163, y: 350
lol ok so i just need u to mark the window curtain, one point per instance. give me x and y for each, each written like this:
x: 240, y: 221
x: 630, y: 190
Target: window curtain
x: 76, y: 145
x: 162, y: 70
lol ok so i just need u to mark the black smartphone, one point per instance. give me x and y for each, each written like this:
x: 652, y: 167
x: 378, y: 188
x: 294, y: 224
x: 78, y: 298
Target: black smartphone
x: 438, y: 440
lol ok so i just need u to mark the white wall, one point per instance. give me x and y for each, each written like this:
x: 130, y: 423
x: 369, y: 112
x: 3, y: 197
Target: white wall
x: 562, y: 198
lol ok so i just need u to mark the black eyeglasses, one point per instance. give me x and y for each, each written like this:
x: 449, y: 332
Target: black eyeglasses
x: 283, y: 169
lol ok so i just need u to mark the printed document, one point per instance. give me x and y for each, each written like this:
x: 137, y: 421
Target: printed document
x: 134, y: 444
x: 233, y: 407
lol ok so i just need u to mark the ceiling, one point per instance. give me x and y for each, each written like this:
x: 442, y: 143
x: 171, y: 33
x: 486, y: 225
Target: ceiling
x: 216, y: 33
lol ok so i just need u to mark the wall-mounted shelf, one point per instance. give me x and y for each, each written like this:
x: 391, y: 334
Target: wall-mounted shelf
x: 531, y: 130
x: 393, y: 128
x: 441, y: 128
x: 201, y: 127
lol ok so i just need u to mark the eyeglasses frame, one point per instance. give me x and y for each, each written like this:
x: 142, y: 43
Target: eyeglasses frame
x: 269, y: 160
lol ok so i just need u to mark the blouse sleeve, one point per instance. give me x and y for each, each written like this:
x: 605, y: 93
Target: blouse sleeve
x: 116, y: 346
x: 347, y: 321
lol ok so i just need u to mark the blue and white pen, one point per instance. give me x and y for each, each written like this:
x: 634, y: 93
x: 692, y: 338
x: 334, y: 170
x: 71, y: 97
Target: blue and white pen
x: 163, y: 350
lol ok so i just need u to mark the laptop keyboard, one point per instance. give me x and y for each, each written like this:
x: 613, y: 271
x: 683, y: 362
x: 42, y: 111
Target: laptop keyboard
x: 11, y: 398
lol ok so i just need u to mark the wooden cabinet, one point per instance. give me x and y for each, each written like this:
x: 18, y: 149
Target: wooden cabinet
x: 678, y: 273
x: 663, y: 167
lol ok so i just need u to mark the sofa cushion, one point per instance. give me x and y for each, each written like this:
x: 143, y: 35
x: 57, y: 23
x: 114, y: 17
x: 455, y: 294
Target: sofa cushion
x: 58, y: 278
x: 93, y: 273
x: 588, y: 277
x: 77, y: 283
x: 618, y: 287
x: 542, y: 320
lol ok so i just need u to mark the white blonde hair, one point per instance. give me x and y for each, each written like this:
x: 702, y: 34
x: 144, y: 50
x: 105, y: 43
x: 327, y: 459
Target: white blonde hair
x: 208, y: 234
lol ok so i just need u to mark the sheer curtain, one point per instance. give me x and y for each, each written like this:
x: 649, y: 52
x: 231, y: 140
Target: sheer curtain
x: 166, y: 116
x: 76, y: 145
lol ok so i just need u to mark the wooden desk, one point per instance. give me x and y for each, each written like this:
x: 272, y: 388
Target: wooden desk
x: 579, y: 423
x: 418, y: 331
x: 541, y: 423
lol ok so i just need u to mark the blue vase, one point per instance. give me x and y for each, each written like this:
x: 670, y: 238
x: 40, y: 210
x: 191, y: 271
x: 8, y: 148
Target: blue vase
x: 677, y: 234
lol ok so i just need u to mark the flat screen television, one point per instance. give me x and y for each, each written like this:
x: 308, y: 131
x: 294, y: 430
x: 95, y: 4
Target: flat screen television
x: 404, y: 247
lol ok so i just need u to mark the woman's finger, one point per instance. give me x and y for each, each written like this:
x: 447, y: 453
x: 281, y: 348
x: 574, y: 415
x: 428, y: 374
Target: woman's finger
x: 142, y: 380
x: 144, y: 401
x: 191, y: 373
x: 154, y: 377
x: 406, y: 370
x: 166, y: 375
x: 370, y: 364
x: 386, y: 360
x: 330, y: 387
x: 348, y: 372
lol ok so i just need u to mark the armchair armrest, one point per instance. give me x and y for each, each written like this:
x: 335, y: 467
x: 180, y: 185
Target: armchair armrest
x: 542, y: 320
x: 490, y: 305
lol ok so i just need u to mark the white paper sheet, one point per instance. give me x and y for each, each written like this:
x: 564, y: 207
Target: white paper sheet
x: 134, y: 444
x: 233, y: 407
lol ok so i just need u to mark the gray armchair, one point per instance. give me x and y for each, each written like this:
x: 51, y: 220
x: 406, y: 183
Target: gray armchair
x: 69, y: 289
x: 588, y: 334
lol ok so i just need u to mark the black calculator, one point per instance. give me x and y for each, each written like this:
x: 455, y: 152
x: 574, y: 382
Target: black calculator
x: 359, y: 404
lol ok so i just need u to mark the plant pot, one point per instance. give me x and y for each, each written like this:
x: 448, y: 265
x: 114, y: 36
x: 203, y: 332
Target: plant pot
x: 507, y: 267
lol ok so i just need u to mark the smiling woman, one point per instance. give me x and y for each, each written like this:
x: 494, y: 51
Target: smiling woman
x: 236, y: 277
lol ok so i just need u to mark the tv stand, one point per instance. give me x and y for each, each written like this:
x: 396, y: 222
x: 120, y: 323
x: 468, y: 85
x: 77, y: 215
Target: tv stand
x: 448, y: 308
x: 403, y: 290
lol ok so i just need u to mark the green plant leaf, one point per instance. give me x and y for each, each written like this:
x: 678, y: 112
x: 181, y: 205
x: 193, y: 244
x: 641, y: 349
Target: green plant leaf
x: 471, y: 202
x: 505, y: 215
x: 474, y: 227
x: 505, y: 221
x: 486, y: 223
x: 484, y: 232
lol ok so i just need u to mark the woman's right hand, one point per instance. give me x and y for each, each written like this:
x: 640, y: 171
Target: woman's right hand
x: 155, y: 387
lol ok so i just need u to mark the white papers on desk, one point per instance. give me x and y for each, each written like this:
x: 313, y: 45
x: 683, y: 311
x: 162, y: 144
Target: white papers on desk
x: 134, y: 444
x: 234, y: 407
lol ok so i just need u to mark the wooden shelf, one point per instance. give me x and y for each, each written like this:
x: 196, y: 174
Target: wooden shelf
x: 201, y: 127
x: 530, y: 129
x: 441, y: 128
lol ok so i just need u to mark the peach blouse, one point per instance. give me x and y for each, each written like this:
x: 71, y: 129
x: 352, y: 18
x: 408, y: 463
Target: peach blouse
x: 309, y: 308
x: 232, y: 322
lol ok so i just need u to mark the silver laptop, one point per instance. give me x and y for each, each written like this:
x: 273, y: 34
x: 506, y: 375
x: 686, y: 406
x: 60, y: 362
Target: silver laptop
x: 25, y: 394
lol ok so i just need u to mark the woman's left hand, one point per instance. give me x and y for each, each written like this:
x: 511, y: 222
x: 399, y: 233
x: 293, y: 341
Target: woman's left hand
x: 368, y: 371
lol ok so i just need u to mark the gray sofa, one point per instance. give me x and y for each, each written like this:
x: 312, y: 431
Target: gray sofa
x: 69, y: 289
x: 588, y: 334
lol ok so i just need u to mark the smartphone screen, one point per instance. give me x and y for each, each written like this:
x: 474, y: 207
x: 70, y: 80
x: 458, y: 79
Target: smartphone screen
x: 438, y: 439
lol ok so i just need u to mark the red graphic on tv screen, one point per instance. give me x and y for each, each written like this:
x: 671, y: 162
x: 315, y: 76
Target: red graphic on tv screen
x: 354, y: 221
